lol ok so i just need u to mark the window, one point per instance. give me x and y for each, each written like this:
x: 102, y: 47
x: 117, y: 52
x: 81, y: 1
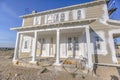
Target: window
x: 26, y: 44
x: 79, y: 14
x: 76, y: 43
x: 36, y: 20
x: 62, y: 17
x: 56, y: 17
x: 69, y: 43
x: 49, y: 19
x: 98, y: 43
x: 43, y: 43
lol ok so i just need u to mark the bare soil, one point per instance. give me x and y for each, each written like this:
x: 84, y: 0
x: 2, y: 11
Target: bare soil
x: 8, y: 71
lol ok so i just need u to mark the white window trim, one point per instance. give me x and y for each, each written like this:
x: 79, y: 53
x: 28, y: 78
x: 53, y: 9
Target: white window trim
x: 83, y: 13
x: 29, y: 44
x: 39, y: 20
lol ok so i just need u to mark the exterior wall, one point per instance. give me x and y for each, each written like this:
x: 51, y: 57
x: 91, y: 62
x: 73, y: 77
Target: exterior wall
x: 108, y: 55
x: 94, y: 11
x: 70, y: 15
x: 28, y: 21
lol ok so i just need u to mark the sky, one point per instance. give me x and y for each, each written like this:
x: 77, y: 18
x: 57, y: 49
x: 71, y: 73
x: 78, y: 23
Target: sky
x: 10, y: 10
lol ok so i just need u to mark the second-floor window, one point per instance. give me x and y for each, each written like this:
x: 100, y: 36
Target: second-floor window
x: 62, y: 17
x: 36, y: 20
x: 79, y: 14
x: 56, y: 18
x: 49, y: 19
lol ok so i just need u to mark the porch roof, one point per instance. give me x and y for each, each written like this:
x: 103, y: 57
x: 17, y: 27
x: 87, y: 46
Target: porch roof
x: 85, y: 21
x: 113, y: 22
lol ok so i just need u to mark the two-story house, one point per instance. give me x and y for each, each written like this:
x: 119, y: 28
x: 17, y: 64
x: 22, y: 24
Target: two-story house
x: 73, y: 31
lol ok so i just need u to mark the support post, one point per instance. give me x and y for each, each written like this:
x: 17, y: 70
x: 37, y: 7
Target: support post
x: 16, y: 52
x: 34, y: 48
x: 90, y: 64
x: 58, y: 48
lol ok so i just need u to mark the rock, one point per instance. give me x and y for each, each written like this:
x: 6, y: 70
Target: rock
x: 43, y: 70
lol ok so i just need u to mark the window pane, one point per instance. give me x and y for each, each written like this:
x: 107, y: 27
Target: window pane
x: 69, y: 43
x: 49, y: 18
x: 62, y: 17
x: 97, y: 43
x: 79, y: 14
x: 26, y: 44
x: 56, y: 17
x: 36, y: 20
x: 76, y: 43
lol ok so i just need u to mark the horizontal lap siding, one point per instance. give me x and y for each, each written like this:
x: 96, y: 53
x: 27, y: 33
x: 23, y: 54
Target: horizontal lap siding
x: 28, y: 21
x: 94, y: 12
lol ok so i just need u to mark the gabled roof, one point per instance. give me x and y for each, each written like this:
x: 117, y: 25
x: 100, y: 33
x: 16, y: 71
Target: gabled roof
x: 84, y: 5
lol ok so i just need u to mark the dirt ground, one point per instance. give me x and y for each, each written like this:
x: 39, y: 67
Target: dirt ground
x: 8, y: 71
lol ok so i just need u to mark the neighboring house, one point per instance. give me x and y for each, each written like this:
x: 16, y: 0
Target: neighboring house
x: 73, y: 31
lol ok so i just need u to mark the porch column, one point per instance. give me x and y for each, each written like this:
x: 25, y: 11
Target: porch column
x: 34, y: 47
x: 90, y: 64
x: 16, y: 52
x: 58, y: 48
x: 112, y: 47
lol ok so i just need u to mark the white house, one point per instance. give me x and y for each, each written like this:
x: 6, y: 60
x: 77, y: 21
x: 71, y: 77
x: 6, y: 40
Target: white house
x: 72, y: 31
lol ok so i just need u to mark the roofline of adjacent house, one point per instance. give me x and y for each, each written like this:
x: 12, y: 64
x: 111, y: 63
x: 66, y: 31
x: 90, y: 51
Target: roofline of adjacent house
x: 67, y: 22
x: 93, y: 3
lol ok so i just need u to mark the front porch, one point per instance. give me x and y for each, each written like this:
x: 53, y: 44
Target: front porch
x: 54, y: 44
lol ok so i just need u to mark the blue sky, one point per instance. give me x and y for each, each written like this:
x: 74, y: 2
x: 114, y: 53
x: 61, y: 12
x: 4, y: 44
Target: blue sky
x: 10, y: 10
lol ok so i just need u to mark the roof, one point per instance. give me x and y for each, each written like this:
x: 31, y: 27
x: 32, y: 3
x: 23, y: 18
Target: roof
x: 88, y: 4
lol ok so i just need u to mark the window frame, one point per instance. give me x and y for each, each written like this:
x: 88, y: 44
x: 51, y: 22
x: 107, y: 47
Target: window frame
x: 27, y: 40
x: 62, y: 17
x: 37, y: 20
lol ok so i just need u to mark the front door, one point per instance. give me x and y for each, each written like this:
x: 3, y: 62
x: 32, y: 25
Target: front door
x: 73, y: 47
x: 42, y: 47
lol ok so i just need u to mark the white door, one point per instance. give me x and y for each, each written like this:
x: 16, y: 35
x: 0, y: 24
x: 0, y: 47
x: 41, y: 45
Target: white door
x: 73, y: 47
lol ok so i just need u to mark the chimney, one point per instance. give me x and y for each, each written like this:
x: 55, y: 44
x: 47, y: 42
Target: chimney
x: 34, y: 11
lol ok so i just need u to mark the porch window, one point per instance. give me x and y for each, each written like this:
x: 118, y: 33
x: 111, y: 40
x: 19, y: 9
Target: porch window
x: 43, y: 43
x: 69, y: 43
x: 26, y: 44
x: 98, y: 43
x: 62, y: 17
x: 79, y: 14
x: 76, y: 43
